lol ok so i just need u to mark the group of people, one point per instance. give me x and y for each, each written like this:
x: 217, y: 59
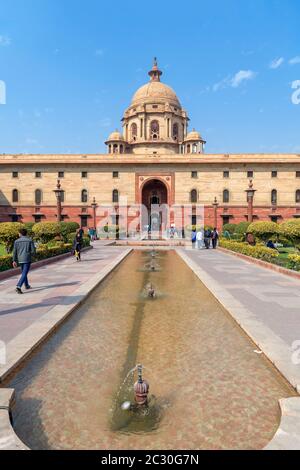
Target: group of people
x: 205, y: 239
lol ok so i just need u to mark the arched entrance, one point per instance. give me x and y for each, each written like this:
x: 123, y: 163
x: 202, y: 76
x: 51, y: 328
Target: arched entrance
x: 155, y: 201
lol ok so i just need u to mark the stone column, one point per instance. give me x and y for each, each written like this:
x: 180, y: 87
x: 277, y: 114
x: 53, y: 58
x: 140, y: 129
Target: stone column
x: 250, y: 198
x: 58, y: 193
x: 215, y: 206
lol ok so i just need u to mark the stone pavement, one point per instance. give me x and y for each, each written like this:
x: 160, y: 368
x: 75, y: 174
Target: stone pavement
x: 53, y: 285
x: 265, y: 303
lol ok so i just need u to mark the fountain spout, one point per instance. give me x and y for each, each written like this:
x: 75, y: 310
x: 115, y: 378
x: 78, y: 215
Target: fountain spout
x: 141, y: 388
x: 151, y: 291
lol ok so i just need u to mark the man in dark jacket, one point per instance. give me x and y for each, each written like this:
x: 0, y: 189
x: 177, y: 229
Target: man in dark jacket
x: 24, y: 249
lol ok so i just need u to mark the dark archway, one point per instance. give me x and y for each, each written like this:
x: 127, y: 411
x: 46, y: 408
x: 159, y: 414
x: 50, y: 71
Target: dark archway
x: 155, y: 200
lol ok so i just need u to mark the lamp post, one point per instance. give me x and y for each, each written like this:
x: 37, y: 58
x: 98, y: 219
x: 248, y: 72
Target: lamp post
x: 215, y: 206
x: 58, y: 193
x: 250, y: 197
x: 94, y: 207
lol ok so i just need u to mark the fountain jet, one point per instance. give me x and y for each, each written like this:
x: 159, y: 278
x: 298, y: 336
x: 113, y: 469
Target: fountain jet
x: 141, y: 388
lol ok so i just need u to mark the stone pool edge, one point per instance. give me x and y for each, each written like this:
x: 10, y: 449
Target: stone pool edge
x: 26, y: 342
x: 287, y: 436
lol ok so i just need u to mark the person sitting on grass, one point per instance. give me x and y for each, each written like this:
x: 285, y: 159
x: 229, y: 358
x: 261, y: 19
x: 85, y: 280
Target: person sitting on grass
x: 271, y: 245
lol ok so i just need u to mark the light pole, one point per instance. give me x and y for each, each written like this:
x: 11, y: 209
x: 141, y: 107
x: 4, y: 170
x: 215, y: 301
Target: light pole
x: 215, y: 206
x: 250, y: 197
x: 94, y: 207
x: 58, y: 193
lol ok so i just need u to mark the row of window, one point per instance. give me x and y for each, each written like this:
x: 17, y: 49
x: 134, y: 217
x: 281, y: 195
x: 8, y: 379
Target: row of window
x: 250, y: 174
x: 61, y: 174
x: 38, y: 196
x: 226, y: 196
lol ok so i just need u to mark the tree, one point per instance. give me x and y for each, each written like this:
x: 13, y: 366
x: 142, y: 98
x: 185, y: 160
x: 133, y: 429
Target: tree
x: 46, y: 231
x: 263, y: 230
x: 9, y: 232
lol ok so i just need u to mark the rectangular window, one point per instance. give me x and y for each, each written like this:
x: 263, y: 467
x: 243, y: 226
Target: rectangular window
x: 250, y: 174
x: 297, y: 174
x: 194, y: 174
x: 226, y: 174
x: 194, y: 220
x: 15, y: 174
x: 84, y: 221
x: 226, y: 220
x: 38, y: 174
x: 61, y: 174
x: 15, y: 218
x: 84, y: 174
x: 274, y: 218
x: 37, y: 219
x: 115, y: 174
x: 274, y: 174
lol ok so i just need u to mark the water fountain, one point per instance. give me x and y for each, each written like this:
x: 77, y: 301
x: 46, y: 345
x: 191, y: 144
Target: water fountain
x: 141, y: 388
x: 151, y: 291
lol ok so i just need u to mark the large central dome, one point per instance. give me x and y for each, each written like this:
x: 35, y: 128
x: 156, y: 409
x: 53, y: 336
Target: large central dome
x: 155, y: 91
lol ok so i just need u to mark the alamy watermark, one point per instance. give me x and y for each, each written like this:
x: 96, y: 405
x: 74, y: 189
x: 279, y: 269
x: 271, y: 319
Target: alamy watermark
x: 2, y: 353
x: 296, y: 94
x: 2, y: 92
x: 296, y: 353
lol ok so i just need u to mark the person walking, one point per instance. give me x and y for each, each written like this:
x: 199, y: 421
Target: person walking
x: 194, y: 238
x: 77, y: 245
x: 207, y: 238
x: 200, y: 238
x: 215, y: 238
x: 23, y: 251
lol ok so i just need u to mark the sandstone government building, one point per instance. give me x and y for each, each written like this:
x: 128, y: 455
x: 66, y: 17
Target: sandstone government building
x: 155, y: 160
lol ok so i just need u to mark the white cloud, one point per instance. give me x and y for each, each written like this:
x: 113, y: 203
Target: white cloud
x: 5, y: 41
x: 241, y: 76
x: 295, y: 60
x: 105, y: 122
x: 31, y: 141
x: 276, y: 63
x: 234, y: 81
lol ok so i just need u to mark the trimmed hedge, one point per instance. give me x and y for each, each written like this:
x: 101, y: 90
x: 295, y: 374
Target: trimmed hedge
x: 264, y: 230
x: 46, y: 231
x: 258, y: 251
x: 290, y: 230
x: 41, y: 254
x: 9, y: 232
x: 294, y: 262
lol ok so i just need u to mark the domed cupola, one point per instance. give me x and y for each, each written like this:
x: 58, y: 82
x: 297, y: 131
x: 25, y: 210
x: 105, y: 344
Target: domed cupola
x: 116, y: 142
x: 155, y: 122
x: 194, y: 143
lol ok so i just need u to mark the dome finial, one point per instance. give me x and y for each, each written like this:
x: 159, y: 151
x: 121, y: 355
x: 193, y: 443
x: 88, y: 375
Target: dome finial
x: 155, y: 73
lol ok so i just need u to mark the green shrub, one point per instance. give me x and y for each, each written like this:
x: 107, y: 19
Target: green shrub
x: 28, y: 226
x: 46, y: 231
x: 294, y: 262
x: 264, y: 230
x: 230, y: 228
x: 5, y: 262
x: 43, y: 252
x: 9, y: 232
x: 290, y: 230
x: 68, y: 227
x: 258, y: 251
x: 242, y: 228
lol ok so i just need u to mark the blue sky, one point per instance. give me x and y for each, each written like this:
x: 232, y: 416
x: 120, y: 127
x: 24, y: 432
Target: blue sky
x: 71, y: 67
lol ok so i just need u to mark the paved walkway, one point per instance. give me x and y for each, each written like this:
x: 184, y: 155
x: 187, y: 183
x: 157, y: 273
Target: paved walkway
x: 53, y: 285
x: 266, y: 303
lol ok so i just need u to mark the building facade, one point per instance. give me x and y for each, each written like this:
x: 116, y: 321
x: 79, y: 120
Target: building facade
x: 155, y: 160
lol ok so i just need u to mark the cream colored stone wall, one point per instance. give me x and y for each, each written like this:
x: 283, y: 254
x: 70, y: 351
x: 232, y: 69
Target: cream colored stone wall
x: 100, y: 182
